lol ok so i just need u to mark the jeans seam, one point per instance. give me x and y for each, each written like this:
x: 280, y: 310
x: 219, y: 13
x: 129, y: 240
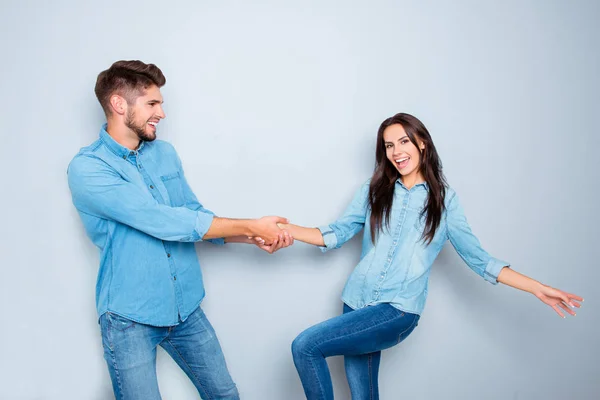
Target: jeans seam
x: 407, y: 329
x: 191, y: 369
x: 314, y: 373
x: 370, y: 363
x: 114, y: 359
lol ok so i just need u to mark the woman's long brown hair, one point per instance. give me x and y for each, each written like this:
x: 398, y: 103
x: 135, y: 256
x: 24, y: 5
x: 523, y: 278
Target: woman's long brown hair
x: 381, y: 190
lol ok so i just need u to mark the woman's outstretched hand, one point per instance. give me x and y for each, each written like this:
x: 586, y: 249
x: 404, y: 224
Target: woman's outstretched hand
x: 557, y: 299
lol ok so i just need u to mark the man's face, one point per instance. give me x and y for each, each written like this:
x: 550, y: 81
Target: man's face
x: 144, y: 114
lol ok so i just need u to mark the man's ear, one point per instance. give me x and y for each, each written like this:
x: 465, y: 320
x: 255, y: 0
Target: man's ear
x: 118, y: 104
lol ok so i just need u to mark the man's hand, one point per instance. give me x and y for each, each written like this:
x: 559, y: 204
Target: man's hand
x: 267, y: 229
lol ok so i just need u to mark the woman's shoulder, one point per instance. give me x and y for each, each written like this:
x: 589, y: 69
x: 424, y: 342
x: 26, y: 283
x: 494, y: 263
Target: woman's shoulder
x: 450, y: 195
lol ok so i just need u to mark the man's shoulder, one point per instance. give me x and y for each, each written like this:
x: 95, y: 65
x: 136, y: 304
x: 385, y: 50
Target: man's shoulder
x: 87, y: 154
x: 90, y: 149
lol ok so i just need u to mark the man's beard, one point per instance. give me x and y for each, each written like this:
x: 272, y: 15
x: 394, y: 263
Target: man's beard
x: 140, y: 130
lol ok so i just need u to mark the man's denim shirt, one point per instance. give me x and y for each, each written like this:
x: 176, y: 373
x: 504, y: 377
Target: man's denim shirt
x: 396, y: 269
x: 138, y: 209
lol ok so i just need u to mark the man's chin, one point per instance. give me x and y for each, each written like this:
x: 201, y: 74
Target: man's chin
x: 147, y: 137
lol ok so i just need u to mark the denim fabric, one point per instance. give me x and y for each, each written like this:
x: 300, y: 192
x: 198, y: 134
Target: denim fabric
x: 138, y: 209
x: 396, y: 269
x: 358, y: 335
x: 130, y: 352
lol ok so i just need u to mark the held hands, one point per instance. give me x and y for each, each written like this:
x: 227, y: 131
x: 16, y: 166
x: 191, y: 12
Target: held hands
x: 268, y: 236
x: 285, y: 241
x: 558, y: 299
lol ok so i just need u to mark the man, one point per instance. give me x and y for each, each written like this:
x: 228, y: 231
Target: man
x: 138, y: 208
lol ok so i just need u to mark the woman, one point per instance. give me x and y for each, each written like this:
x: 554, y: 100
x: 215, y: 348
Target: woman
x: 408, y: 212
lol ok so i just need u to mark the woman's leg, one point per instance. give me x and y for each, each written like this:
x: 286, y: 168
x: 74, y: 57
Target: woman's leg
x: 363, y: 331
x: 362, y: 372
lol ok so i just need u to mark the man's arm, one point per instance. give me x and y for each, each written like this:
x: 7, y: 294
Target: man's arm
x: 265, y: 227
x: 98, y: 190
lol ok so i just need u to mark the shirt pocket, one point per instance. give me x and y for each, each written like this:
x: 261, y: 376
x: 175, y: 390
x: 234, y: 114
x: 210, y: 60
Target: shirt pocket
x: 420, y: 228
x: 174, y: 188
x: 420, y: 222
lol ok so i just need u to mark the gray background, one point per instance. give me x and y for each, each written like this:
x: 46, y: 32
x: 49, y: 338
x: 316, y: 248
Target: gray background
x: 274, y: 107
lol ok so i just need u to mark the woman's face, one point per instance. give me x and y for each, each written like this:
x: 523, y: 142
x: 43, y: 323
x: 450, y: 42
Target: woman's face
x: 401, y: 152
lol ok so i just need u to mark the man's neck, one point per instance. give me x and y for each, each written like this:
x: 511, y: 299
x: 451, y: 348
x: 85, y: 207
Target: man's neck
x: 122, y: 134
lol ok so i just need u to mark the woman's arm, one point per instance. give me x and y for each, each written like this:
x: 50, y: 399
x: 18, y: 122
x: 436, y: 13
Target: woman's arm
x: 555, y: 298
x: 494, y: 270
x: 303, y: 234
x: 336, y: 234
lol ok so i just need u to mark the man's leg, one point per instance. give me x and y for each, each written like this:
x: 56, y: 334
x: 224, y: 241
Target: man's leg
x: 130, y: 352
x: 193, y: 344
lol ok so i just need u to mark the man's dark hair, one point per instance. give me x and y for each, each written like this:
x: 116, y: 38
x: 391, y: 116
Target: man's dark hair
x: 128, y: 79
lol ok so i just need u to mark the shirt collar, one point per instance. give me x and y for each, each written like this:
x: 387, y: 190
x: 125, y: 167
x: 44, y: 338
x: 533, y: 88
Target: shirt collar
x: 423, y: 184
x: 115, y: 147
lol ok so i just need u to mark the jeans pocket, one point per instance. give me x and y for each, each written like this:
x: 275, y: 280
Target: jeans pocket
x: 118, y: 322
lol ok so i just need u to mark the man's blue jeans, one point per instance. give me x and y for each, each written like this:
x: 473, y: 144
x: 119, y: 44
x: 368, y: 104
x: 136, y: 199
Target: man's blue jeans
x: 130, y: 351
x: 357, y: 335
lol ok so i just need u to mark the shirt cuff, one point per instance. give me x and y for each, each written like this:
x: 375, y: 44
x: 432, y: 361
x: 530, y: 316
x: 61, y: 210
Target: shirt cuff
x: 329, y: 238
x: 493, y: 270
x: 203, y: 222
x: 217, y: 241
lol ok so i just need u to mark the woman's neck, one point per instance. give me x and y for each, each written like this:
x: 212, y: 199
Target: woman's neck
x: 412, y: 179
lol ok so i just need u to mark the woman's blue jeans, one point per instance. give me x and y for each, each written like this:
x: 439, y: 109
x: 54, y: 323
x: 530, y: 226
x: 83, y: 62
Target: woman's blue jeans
x: 358, y: 335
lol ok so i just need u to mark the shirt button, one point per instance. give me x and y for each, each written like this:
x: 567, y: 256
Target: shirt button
x: 169, y: 255
x: 151, y: 187
x: 124, y: 157
x: 395, y: 243
x: 174, y: 278
x: 389, y: 259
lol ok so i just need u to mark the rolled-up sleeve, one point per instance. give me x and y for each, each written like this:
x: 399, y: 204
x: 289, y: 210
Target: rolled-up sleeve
x: 349, y: 224
x: 468, y: 246
x: 98, y: 190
